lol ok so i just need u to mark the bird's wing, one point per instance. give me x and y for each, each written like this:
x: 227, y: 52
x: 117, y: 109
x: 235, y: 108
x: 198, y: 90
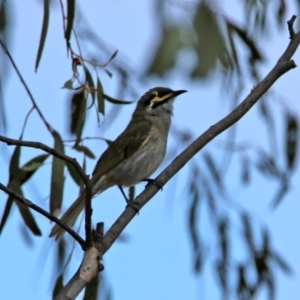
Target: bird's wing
x: 126, y: 144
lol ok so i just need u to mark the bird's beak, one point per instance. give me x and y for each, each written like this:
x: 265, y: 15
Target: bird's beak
x: 177, y: 93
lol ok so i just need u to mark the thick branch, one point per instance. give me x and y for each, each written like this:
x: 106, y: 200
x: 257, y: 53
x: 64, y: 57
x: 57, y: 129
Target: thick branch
x: 88, y: 269
x: 42, y: 212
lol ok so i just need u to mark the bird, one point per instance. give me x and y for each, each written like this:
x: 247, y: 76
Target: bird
x: 135, y: 154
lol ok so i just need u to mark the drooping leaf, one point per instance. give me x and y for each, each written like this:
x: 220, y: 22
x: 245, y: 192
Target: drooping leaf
x: 284, y: 266
x: 70, y: 19
x: 6, y: 213
x: 210, y: 46
x: 24, y: 210
x: 43, y: 32
x: 213, y: 169
x: 91, y: 289
x: 100, y: 97
x: 283, y: 189
x: 91, y: 85
x: 85, y: 150
x: 248, y: 234
x: 31, y: 167
x: 165, y: 55
x: 74, y: 174
x: 57, y: 177
x: 291, y: 141
x: 77, y: 114
x: 116, y: 101
x: 68, y: 85
x: 15, y: 163
x: 254, y: 54
x: 61, y: 254
x: 245, y: 170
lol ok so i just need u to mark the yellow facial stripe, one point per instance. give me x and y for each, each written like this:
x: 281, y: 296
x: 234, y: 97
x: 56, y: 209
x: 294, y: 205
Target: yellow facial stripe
x: 157, y: 99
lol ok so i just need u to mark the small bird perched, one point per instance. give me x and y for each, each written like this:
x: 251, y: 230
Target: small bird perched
x: 135, y: 154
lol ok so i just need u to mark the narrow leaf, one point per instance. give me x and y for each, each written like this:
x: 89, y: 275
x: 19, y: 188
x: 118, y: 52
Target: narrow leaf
x: 31, y: 167
x: 6, y: 213
x: 77, y: 114
x: 25, y: 211
x: 68, y: 85
x: 116, y: 101
x: 85, y: 150
x: 43, y: 33
x: 57, y: 177
x: 70, y: 19
x: 100, y: 97
x: 291, y: 141
x: 281, y: 263
x: 91, y: 85
x: 14, y: 162
x: 213, y: 169
x: 74, y: 174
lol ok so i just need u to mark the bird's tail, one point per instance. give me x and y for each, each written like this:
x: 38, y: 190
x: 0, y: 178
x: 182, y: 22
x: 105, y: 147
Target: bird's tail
x: 70, y: 216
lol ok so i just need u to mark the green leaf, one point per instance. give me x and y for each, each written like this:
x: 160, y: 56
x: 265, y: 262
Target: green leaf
x: 78, y: 114
x: 6, y: 213
x: 31, y: 166
x: 291, y: 141
x: 91, y: 85
x: 24, y: 210
x: 74, y: 174
x: 68, y: 85
x: 100, y: 97
x: 15, y: 162
x: 108, y: 73
x: 115, y: 101
x: 254, y: 53
x: 213, y: 169
x: 85, y: 150
x: 210, y: 46
x: 165, y: 56
x: 70, y: 19
x: 43, y: 33
x: 57, y: 177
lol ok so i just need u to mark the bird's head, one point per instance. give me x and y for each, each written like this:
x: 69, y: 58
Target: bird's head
x: 157, y: 100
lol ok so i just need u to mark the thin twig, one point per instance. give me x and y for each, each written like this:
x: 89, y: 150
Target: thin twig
x: 291, y: 26
x: 49, y: 127
x: 43, y: 212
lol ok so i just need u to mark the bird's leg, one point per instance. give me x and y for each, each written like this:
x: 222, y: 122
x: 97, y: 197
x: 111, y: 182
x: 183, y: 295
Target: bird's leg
x: 153, y: 181
x: 130, y: 203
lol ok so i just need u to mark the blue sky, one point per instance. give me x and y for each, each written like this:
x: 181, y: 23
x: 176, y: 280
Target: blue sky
x: 156, y: 261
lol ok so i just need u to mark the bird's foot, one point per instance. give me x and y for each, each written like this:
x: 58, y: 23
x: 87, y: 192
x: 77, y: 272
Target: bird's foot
x: 134, y: 205
x: 153, y: 181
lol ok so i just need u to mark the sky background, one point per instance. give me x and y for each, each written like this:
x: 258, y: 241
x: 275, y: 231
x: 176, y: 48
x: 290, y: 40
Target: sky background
x: 155, y: 262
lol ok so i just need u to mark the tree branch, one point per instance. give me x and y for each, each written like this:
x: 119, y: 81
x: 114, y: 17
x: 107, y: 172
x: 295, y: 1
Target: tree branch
x: 43, y: 212
x: 78, y: 168
x: 283, y: 65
